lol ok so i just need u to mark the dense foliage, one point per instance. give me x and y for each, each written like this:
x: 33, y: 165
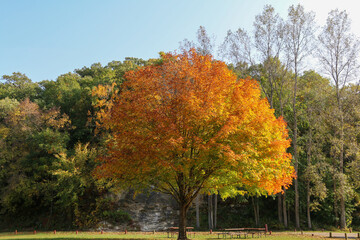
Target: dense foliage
x: 48, y: 149
x: 48, y: 144
x: 187, y: 125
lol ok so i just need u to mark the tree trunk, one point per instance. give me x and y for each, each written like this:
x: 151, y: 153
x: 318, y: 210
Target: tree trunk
x: 288, y: 212
x: 258, y: 210
x: 255, y: 211
x: 335, y: 200
x: 308, y: 204
x: 197, y: 203
x: 296, y: 161
x: 210, y: 212
x: 342, y: 193
x: 284, y: 209
x: 341, y: 160
x: 215, y: 210
x: 342, y: 210
x: 308, y: 182
x: 280, y: 214
x: 182, y: 222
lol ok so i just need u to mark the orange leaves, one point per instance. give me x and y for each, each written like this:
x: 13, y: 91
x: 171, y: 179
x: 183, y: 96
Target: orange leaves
x: 190, y: 115
x: 28, y: 116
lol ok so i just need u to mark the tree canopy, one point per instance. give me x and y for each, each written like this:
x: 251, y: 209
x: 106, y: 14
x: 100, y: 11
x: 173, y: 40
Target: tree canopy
x: 186, y: 124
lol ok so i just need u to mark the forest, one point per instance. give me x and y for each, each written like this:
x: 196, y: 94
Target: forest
x: 49, y: 143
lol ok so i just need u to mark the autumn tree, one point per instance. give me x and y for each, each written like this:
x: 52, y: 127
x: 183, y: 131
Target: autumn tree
x: 186, y: 125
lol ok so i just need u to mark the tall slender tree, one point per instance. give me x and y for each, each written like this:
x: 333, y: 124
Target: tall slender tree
x: 338, y: 54
x: 237, y: 47
x: 314, y: 90
x: 268, y: 35
x: 204, y: 45
x: 300, y: 28
x: 269, y: 42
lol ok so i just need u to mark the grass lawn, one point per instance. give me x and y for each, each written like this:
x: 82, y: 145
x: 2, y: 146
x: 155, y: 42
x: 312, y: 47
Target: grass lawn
x: 138, y: 235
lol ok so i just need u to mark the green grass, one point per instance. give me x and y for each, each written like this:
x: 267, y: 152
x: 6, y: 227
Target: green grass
x: 137, y: 235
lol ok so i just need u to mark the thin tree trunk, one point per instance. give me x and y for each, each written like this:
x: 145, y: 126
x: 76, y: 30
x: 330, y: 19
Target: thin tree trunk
x: 342, y: 210
x: 258, y: 210
x: 297, y: 217
x: 341, y: 157
x: 288, y: 212
x: 215, y: 210
x: 48, y: 224
x: 308, y: 204
x: 335, y: 197
x: 197, y: 203
x: 308, y: 182
x: 255, y: 211
x: 280, y: 214
x: 210, y: 212
x: 342, y: 193
x: 284, y: 209
x: 341, y: 160
x: 282, y: 197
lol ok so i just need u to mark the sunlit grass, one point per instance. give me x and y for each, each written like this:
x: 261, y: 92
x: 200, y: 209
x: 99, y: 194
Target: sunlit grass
x: 138, y: 235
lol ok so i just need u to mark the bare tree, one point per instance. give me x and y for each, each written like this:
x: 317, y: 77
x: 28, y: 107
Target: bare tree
x: 268, y: 35
x: 205, y: 44
x: 237, y: 47
x: 186, y: 45
x: 338, y: 54
x: 300, y: 28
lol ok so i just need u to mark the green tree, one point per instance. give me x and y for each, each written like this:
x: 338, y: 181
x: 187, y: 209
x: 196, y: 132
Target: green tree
x: 338, y: 54
x: 19, y: 87
x: 300, y: 27
x: 33, y: 138
x: 313, y: 93
x: 78, y: 192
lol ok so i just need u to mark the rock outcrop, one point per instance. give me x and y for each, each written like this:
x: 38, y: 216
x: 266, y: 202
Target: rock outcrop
x: 149, y: 211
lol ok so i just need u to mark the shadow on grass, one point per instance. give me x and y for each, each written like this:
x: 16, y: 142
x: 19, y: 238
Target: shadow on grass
x: 25, y: 237
x: 92, y: 238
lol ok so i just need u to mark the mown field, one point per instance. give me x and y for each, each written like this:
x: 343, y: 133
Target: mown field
x: 141, y: 235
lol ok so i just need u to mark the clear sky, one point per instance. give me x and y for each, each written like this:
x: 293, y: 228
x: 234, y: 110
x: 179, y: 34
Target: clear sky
x: 47, y: 38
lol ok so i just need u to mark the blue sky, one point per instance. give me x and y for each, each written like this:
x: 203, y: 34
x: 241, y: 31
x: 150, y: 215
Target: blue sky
x: 47, y: 38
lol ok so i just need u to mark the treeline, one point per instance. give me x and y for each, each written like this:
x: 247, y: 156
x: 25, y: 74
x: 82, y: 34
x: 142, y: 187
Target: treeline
x: 48, y: 149
x: 321, y: 109
x: 48, y: 143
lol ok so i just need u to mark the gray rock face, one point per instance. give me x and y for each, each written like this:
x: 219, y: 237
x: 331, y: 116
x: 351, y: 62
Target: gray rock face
x: 150, y: 211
